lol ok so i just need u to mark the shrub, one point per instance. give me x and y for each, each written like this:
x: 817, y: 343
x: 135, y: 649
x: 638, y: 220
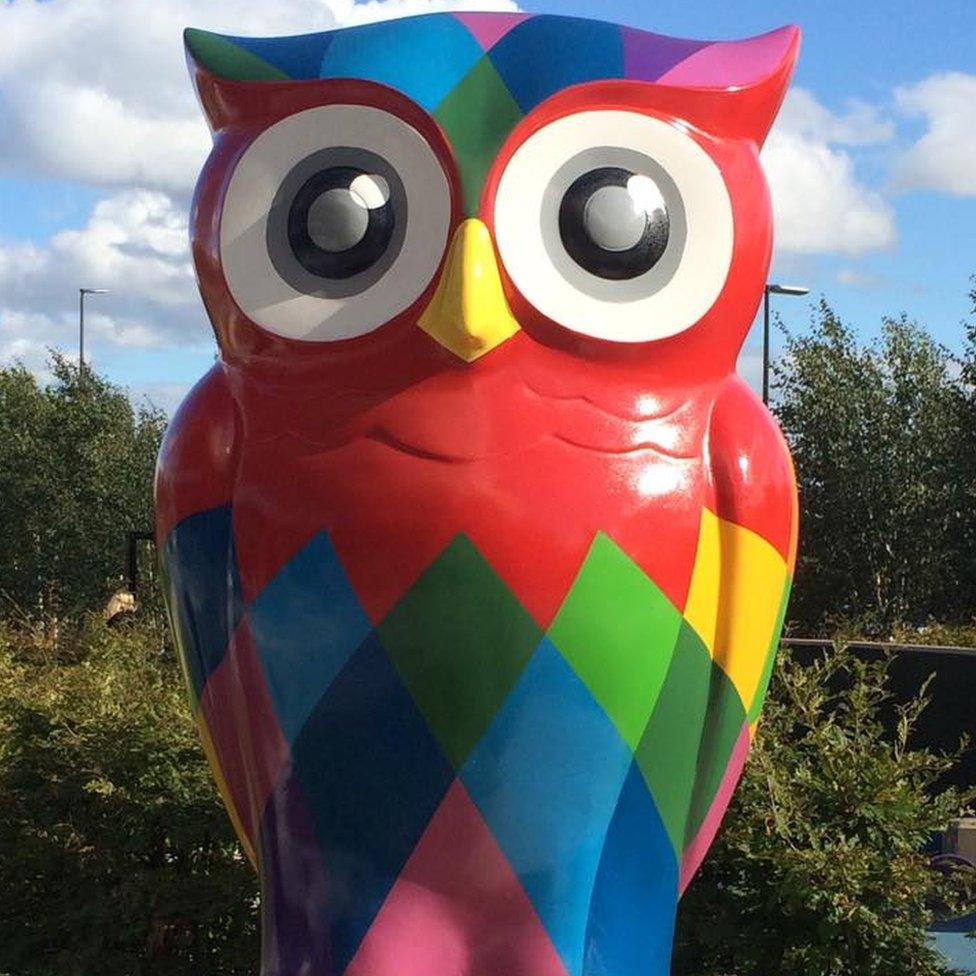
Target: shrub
x: 115, y: 853
x: 819, y: 868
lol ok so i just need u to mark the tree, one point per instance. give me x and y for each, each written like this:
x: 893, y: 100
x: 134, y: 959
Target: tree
x: 878, y: 436
x: 76, y: 463
x: 818, y: 869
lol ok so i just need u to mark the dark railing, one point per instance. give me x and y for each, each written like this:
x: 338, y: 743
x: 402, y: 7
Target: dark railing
x: 132, y: 556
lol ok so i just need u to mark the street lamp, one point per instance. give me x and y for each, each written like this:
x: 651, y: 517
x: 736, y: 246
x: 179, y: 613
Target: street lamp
x: 81, y: 325
x: 797, y: 290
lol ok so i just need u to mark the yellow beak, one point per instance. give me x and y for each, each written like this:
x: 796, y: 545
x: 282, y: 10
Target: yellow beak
x: 469, y: 313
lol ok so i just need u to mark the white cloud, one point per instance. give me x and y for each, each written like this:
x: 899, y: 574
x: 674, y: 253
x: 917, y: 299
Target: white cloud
x: 861, y: 125
x: 944, y: 158
x: 820, y: 204
x: 98, y: 91
x: 165, y: 396
x: 134, y: 244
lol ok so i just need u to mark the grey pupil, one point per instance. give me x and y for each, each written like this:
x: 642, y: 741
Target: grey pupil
x: 338, y: 220
x: 616, y: 218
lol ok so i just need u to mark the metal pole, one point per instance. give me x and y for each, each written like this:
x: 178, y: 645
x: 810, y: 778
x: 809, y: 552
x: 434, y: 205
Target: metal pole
x: 765, y: 385
x: 81, y: 333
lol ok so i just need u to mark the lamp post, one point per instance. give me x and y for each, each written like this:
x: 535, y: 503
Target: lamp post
x: 774, y: 290
x: 81, y: 325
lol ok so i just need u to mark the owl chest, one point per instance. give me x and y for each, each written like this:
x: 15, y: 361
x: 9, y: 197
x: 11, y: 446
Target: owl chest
x: 533, y: 515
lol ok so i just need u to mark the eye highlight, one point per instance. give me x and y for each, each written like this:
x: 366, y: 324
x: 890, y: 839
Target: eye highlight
x: 615, y: 224
x: 335, y: 220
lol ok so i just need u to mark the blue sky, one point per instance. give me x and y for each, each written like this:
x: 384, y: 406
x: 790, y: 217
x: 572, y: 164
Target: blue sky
x: 872, y: 165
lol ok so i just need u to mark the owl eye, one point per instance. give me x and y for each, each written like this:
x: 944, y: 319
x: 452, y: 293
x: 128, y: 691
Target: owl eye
x: 335, y: 220
x: 616, y: 225
x: 341, y: 222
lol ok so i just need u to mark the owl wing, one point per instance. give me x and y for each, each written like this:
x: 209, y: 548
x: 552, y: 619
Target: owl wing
x: 738, y: 594
x: 194, y: 486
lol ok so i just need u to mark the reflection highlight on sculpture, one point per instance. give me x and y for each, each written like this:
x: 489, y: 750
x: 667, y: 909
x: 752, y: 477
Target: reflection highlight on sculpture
x: 477, y: 550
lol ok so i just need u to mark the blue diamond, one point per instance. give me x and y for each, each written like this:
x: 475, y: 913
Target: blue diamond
x: 306, y: 622
x: 373, y: 777
x: 636, y: 892
x: 546, y: 778
x: 203, y: 589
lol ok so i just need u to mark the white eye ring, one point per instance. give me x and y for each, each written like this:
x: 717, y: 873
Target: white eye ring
x: 689, y: 276
x: 298, y: 308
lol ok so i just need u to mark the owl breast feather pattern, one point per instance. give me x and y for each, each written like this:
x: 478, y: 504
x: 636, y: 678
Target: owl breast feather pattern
x: 584, y: 769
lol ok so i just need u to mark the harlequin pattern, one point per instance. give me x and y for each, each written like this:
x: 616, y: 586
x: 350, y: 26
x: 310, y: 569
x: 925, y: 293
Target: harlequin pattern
x: 581, y: 770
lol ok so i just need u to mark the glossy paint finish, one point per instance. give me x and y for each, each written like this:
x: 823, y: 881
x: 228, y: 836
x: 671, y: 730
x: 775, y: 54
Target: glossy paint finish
x: 476, y: 642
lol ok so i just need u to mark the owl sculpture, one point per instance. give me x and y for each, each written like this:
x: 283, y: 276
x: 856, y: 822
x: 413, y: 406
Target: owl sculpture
x: 477, y: 549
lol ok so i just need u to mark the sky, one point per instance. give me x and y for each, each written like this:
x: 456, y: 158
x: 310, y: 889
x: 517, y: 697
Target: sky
x: 872, y: 163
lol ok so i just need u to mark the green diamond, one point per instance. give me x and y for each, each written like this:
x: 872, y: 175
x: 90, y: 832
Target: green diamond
x: 618, y: 631
x: 724, y: 718
x: 477, y: 116
x: 459, y: 640
x: 668, y: 753
x: 226, y: 60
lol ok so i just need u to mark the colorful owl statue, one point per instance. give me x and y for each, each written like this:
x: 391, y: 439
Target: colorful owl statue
x: 477, y: 549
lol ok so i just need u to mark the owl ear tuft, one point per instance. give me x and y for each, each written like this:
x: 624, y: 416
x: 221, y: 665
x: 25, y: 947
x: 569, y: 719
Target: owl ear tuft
x: 220, y: 68
x: 753, y: 75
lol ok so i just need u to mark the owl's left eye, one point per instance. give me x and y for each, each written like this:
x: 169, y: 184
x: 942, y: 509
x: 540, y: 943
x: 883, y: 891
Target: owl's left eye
x: 615, y: 224
x: 335, y: 220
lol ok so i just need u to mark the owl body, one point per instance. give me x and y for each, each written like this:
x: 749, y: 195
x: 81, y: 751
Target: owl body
x: 478, y: 597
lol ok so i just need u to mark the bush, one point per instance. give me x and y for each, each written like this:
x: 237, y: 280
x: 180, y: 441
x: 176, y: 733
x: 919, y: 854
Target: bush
x: 115, y: 853
x: 819, y: 868
x: 76, y: 464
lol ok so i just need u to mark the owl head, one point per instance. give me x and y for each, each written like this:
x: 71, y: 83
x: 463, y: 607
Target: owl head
x: 461, y: 191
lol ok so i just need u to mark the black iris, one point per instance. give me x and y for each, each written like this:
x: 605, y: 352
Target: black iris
x: 614, y: 223
x: 341, y: 222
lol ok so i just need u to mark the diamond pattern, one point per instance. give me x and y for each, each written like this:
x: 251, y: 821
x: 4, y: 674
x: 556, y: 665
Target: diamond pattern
x: 668, y: 752
x: 307, y: 622
x: 427, y: 57
x: 479, y: 114
x: 293, y: 873
x: 618, y: 631
x: 373, y: 776
x: 591, y: 762
x: 631, y: 923
x: 546, y: 778
x: 459, y: 640
x: 459, y: 906
x: 724, y: 718
x: 432, y: 54
x: 243, y: 731
x: 544, y: 55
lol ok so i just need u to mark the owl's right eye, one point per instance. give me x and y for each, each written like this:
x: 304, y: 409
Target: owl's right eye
x: 341, y: 222
x: 335, y: 220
